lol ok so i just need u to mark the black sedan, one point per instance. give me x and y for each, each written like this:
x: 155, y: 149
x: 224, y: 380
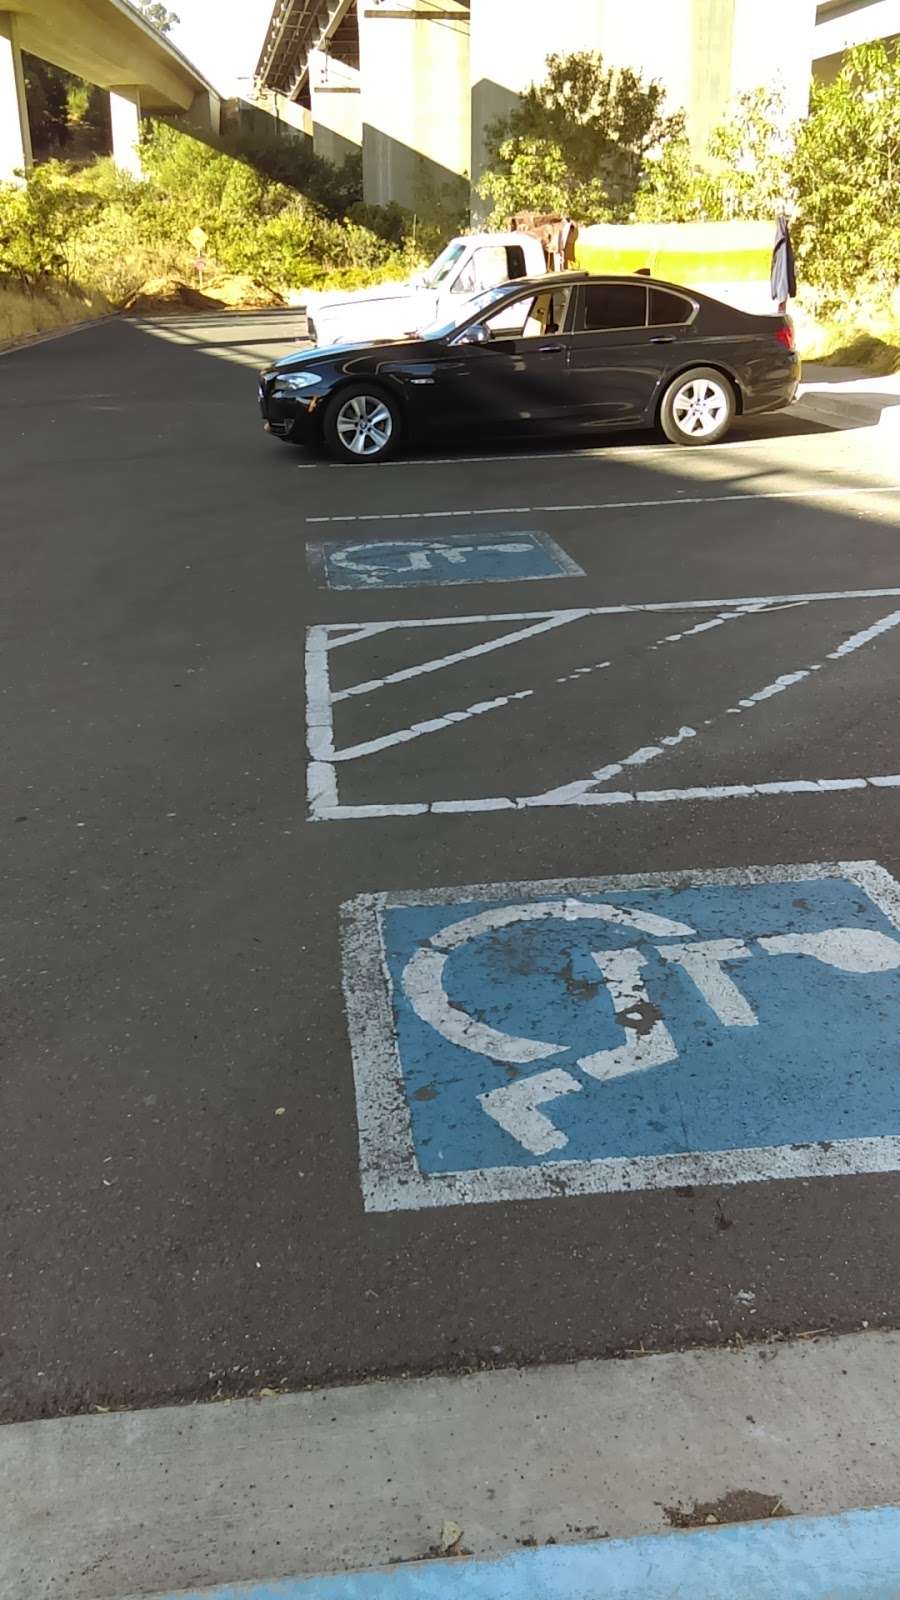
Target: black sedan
x: 564, y: 352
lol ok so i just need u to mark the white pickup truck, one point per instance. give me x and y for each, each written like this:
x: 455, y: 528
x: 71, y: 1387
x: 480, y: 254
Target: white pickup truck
x: 391, y: 310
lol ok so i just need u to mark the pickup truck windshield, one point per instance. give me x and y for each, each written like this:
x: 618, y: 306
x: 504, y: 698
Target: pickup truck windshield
x: 469, y: 308
x: 444, y: 264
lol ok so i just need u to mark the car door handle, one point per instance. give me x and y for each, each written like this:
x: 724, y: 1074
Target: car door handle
x: 550, y: 349
x: 664, y: 338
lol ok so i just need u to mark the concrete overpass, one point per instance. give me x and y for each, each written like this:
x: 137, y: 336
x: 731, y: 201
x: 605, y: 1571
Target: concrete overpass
x: 415, y: 83
x: 841, y: 24
x: 106, y: 42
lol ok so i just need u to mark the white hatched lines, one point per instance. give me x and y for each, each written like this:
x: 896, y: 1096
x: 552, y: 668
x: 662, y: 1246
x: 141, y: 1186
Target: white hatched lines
x: 326, y: 759
x: 432, y: 725
x: 558, y: 619
x: 568, y: 793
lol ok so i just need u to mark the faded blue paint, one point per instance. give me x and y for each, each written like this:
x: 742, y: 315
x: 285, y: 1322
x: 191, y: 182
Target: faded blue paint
x: 451, y: 559
x: 820, y: 1065
x: 851, y: 1557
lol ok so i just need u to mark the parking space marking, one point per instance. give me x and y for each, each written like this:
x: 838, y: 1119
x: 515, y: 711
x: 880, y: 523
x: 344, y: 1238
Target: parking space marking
x: 456, y: 558
x: 433, y: 725
x: 703, y: 1028
x: 786, y: 680
x: 813, y: 492
x: 325, y: 755
x: 546, y: 624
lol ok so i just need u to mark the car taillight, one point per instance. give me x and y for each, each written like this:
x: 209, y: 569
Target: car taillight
x: 785, y: 336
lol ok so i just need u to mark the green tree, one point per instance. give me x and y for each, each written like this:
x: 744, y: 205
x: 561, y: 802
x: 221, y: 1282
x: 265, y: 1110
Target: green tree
x: 846, y: 174
x: 159, y: 15
x: 746, y: 173
x: 579, y: 138
x: 533, y: 175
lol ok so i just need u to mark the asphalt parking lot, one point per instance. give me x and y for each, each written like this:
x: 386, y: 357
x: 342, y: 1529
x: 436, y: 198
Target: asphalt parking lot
x: 503, y: 986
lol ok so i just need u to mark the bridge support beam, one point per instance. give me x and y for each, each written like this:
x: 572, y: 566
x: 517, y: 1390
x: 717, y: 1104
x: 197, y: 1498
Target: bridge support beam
x: 414, y: 67
x: 15, y: 133
x: 206, y: 113
x: 125, y: 109
x: 336, y: 107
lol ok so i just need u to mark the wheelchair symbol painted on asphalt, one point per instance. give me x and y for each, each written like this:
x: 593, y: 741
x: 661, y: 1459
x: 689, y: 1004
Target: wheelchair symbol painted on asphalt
x: 715, y: 1028
x: 647, y: 1041
x: 452, y: 559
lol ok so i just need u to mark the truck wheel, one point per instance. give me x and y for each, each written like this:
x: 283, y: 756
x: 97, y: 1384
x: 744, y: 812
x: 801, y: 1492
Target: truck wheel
x: 362, y: 423
x: 698, y: 407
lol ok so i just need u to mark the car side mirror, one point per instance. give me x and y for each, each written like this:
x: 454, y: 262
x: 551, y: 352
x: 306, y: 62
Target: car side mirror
x: 477, y: 334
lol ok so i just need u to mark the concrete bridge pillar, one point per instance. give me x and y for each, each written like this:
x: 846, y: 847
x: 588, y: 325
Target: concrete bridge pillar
x: 205, y: 113
x: 125, y: 109
x: 414, y: 67
x: 15, y: 134
x: 336, y: 107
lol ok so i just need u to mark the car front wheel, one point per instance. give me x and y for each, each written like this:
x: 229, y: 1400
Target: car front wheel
x: 361, y: 424
x: 698, y: 407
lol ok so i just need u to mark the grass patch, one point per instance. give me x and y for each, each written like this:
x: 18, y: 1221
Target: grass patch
x: 863, y: 335
x: 25, y: 312
x: 880, y: 356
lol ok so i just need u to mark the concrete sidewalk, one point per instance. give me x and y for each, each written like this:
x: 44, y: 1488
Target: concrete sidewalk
x: 369, y: 1477
x: 848, y: 397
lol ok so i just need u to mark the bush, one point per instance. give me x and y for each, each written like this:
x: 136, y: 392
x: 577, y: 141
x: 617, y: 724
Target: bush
x: 40, y: 223
x: 97, y: 226
x: 847, y: 179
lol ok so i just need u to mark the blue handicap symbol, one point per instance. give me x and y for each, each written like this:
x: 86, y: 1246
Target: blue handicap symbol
x: 451, y: 559
x: 550, y: 1026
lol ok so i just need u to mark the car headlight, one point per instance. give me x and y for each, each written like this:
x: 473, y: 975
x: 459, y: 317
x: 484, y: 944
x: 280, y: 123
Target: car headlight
x: 298, y: 380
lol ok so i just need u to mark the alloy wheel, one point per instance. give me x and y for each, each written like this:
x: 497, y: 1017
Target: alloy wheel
x: 364, y: 425
x: 700, y: 407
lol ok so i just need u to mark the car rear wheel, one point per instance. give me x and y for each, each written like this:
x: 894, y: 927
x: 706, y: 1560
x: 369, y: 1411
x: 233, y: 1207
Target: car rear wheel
x: 698, y: 407
x: 361, y: 424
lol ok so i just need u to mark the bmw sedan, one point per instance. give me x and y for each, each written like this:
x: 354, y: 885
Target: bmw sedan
x: 564, y: 352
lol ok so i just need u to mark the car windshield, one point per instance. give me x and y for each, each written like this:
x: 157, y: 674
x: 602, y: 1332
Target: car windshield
x: 462, y: 313
x: 446, y: 261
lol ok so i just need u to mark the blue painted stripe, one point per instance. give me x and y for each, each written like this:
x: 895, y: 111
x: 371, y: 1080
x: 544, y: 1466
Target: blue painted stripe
x: 855, y: 1556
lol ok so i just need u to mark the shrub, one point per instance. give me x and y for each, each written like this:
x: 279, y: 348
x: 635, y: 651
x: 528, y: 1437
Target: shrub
x: 39, y: 224
x: 847, y: 178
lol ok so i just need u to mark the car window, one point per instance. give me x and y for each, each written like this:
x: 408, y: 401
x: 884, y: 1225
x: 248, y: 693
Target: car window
x: 491, y: 266
x: 515, y: 261
x: 532, y: 316
x: 667, y: 308
x: 444, y: 264
x: 463, y: 312
x: 613, y: 305
x: 465, y: 281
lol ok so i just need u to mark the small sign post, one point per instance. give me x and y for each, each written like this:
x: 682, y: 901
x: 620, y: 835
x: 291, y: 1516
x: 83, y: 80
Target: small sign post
x: 198, y: 238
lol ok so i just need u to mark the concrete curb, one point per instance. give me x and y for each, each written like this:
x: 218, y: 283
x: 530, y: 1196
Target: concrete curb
x: 836, y: 408
x: 850, y: 1557
x: 55, y: 333
x: 361, y: 1477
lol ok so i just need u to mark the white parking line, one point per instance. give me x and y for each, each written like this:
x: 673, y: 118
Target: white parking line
x: 572, y: 793
x: 731, y: 791
x: 339, y: 632
x: 814, y: 492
